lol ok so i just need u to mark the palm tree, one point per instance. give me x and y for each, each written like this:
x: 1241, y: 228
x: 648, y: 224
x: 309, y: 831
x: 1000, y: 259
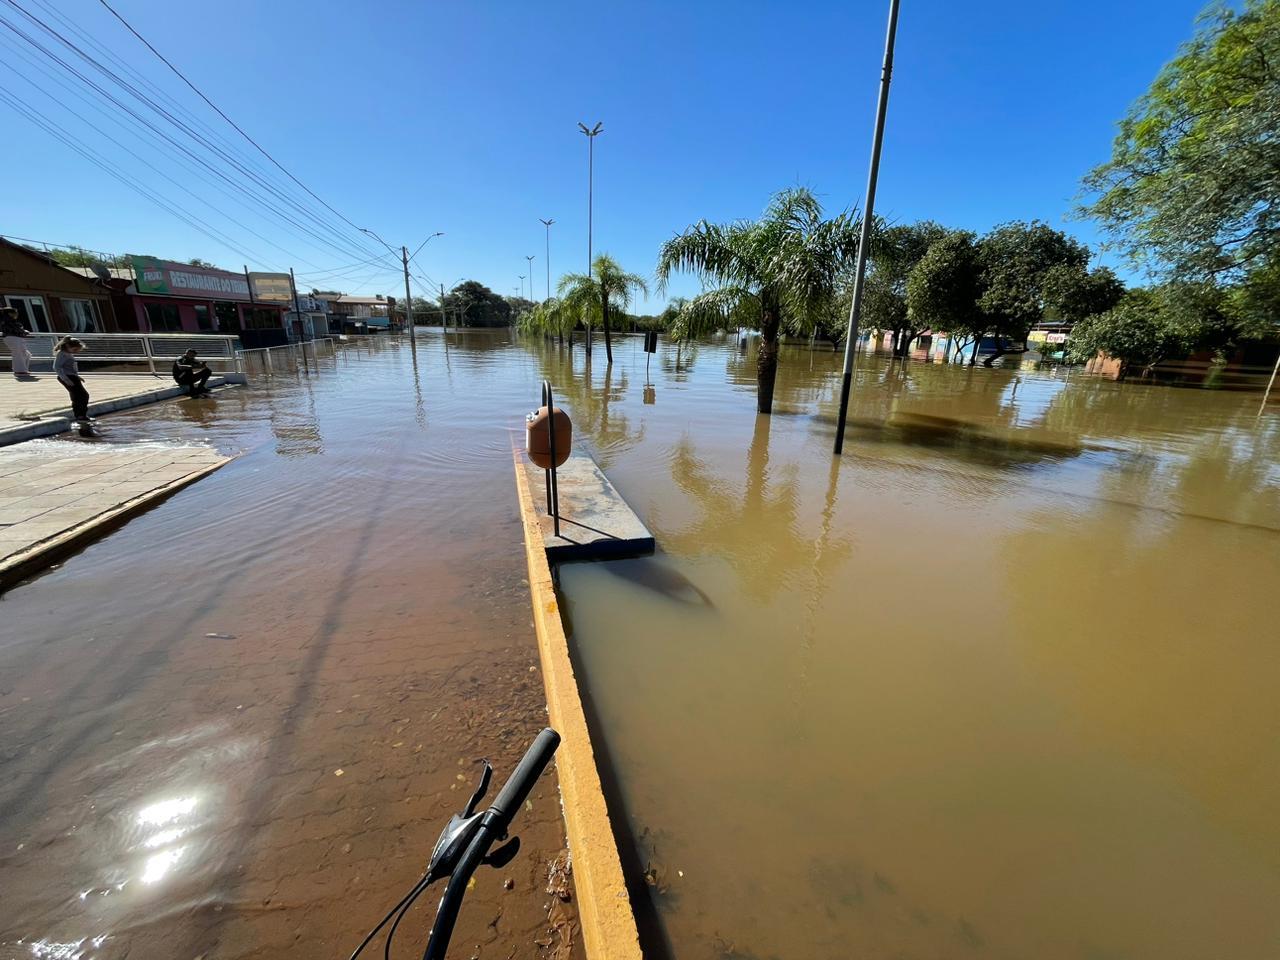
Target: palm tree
x: 780, y: 269
x: 551, y: 318
x: 608, y: 285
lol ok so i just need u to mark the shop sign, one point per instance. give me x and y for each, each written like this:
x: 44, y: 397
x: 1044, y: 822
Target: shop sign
x: 275, y: 287
x: 165, y: 278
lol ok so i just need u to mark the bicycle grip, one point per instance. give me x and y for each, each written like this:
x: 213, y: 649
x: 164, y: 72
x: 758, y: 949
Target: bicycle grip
x: 513, y: 793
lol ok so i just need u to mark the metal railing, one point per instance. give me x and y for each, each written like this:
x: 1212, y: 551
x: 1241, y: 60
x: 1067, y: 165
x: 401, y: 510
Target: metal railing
x: 148, y: 348
x: 285, y: 355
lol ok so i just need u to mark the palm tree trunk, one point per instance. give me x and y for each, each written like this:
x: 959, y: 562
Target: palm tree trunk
x: 604, y: 316
x: 767, y: 360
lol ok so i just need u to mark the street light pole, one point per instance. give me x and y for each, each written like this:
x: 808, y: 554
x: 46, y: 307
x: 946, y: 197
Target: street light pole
x: 855, y: 306
x: 530, y: 258
x: 591, y: 135
x: 522, y: 286
x: 547, y: 224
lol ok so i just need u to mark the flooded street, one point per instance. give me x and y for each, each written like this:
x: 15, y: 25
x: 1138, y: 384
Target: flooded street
x: 999, y: 683
x: 235, y: 726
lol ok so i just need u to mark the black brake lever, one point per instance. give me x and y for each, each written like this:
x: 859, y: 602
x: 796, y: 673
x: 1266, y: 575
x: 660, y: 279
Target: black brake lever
x: 485, y: 776
x: 459, y: 831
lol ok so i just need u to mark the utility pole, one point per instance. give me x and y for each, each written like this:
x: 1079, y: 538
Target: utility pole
x: 444, y: 320
x: 547, y: 224
x: 530, y: 259
x: 855, y: 306
x: 591, y: 135
x: 522, y: 286
x: 408, y: 300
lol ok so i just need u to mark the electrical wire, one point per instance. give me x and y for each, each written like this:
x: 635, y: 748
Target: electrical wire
x: 136, y: 130
x: 337, y: 236
x: 175, y: 182
x: 190, y: 219
x: 182, y: 147
x: 220, y: 113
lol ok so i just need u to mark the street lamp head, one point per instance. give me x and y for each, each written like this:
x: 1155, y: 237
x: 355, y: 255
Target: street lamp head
x: 583, y: 127
x: 597, y: 128
x: 546, y: 222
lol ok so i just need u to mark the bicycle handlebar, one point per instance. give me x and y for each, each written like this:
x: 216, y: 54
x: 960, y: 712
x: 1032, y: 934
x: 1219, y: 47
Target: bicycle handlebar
x: 514, y: 792
x: 493, y: 826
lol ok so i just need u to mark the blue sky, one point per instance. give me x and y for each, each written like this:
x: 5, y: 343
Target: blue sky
x: 460, y: 117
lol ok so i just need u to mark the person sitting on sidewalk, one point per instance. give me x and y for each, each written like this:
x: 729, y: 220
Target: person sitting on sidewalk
x: 191, y: 373
x: 15, y: 338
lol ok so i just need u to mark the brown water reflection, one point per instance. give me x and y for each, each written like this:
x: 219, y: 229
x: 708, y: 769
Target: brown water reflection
x: 235, y: 727
x: 999, y: 684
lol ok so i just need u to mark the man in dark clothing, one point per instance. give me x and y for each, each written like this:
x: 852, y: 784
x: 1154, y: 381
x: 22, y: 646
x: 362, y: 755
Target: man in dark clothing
x: 191, y: 373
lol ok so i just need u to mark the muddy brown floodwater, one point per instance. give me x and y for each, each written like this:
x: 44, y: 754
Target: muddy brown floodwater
x: 999, y: 683
x: 234, y: 727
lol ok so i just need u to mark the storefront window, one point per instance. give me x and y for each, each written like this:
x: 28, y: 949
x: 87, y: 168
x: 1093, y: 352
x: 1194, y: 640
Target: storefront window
x: 31, y: 312
x: 262, y: 318
x: 203, y: 321
x: 228, y: 317
x: 163, y: 318
x: 82, y: 315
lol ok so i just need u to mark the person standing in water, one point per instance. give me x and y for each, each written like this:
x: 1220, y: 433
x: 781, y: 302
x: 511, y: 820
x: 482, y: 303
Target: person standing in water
x: 15, y: 338
x: 68, y: 374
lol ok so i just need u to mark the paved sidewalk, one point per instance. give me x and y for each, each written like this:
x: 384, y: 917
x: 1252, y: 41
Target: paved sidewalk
x: 39, y: 408
x: 54, y: 496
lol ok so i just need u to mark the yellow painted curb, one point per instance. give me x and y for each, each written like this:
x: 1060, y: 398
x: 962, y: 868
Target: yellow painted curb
x: 604, y: 908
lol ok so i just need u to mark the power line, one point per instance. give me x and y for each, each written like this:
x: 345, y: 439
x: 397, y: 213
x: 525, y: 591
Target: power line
x: 176, y: 183
x: 190, y: 219
x: 175, y: 121
x: 108, y: 96
x: 220, y: 113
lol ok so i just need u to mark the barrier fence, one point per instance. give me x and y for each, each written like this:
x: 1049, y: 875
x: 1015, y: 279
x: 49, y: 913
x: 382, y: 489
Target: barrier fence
x: 156, y: 350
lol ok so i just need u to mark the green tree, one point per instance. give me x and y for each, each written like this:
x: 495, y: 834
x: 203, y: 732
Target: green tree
x: 1192, y: 189
x: 943, y: 289
x: 1024, y: 266
x: 608, y: 286
x: 885, y: 306
x: 472, y: 304
x: 781, y: 268
x: 1136, y: 332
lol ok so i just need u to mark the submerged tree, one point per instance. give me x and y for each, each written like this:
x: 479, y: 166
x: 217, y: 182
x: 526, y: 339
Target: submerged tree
x: 884, y: 298
x: 608, y: 286
x: 781, y: 268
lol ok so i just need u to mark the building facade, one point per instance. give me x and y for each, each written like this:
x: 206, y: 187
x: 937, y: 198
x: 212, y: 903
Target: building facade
x: 173, y: 297
x: 50, y: 298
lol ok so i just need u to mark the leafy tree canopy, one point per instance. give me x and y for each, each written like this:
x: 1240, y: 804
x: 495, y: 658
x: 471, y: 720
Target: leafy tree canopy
x: 1192, y: 189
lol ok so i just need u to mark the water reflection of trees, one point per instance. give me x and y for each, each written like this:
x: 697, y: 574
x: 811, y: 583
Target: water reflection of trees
x: 596, y: 409
x: 755, y: 526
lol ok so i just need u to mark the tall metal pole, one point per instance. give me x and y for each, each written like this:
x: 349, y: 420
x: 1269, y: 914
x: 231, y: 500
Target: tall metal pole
x: 408, y: 300
x: 530, y: 258
x: 855, y: 307
x: 591, y: 135
x: 547, y: 224
x: 444, y: 320
x: 521, y: 286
